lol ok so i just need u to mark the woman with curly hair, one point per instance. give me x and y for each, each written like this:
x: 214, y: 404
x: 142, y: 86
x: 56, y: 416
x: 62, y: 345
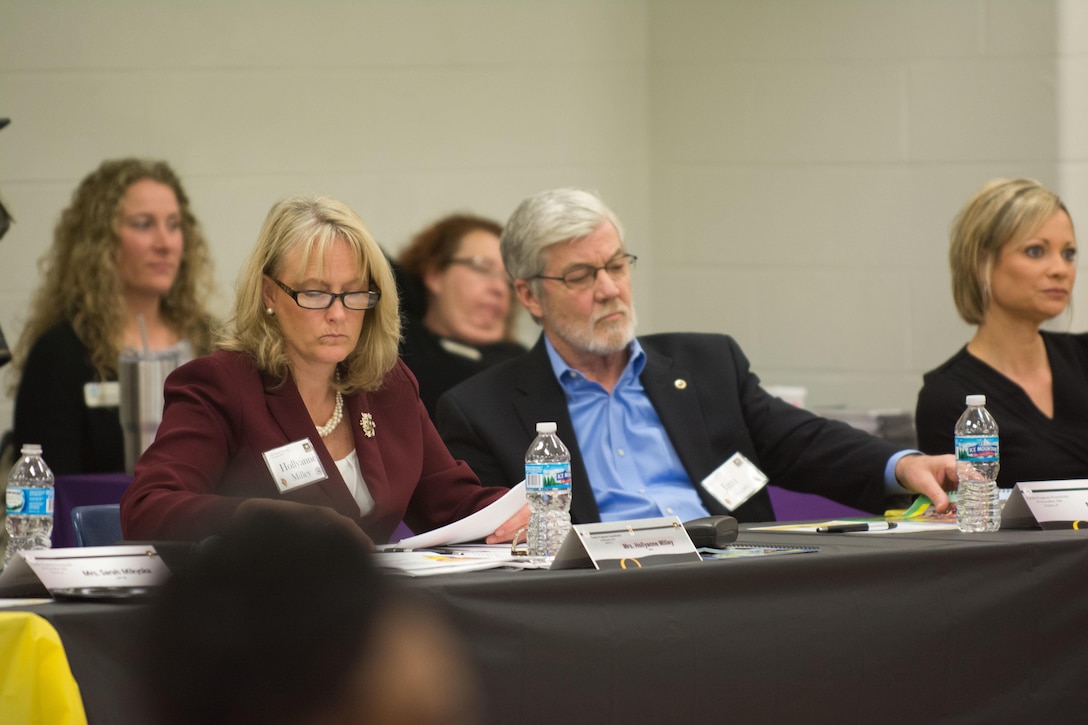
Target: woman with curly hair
x: 129, y: 267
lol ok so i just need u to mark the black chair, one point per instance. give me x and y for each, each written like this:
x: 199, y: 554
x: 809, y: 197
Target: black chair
x: 97, y: 524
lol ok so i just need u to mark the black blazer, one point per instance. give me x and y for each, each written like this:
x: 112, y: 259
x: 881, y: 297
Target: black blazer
x: 710, y: 404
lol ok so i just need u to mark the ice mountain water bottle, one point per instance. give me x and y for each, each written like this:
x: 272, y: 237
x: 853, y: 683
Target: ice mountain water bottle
x: 547, y: 490
x: 29, y: 503
x: 978, y: 504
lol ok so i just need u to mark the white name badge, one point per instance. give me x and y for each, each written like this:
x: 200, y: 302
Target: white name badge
x: 632, y: 544
x: 735, y: 481
x: 294, y: 465
x: 102, y: 395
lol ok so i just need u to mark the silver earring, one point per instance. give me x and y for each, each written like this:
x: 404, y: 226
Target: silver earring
x: 269, y: 311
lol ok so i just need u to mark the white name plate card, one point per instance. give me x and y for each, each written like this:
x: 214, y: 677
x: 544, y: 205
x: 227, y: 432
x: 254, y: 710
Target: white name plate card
x: 98, y: 567
x: 626, y: 545
x: 1049, y: 504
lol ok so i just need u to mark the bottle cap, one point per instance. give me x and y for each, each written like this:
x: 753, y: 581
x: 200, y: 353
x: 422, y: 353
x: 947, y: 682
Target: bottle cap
x: 976, y: 400
x: 545, y: 427
x: 31, y: 449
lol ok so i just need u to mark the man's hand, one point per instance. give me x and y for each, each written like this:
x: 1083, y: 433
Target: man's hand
x: 928, y: 475
x: 515, y: 523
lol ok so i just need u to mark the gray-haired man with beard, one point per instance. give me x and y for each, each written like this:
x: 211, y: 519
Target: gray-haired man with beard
x: 651, y: 422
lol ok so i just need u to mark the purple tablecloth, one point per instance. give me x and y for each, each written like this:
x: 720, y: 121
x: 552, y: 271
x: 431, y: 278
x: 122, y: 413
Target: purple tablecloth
x: 793, y: 506
x: 81, y: 490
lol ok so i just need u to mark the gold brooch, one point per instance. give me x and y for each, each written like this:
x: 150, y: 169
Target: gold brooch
x: 366, y: 422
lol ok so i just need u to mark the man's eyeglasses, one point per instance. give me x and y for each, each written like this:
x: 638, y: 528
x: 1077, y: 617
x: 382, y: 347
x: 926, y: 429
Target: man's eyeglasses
x: 312, y: 299
x: 583, y: 276
x: 481, y: 266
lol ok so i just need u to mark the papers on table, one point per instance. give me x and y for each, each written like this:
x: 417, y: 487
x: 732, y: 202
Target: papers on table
x: 434, y: 552
x: 448, y: 560
x: 747, y: 551
x: 471, y: 528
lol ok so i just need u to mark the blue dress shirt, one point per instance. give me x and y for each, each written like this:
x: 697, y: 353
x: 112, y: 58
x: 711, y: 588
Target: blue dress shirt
x: 633, y: 468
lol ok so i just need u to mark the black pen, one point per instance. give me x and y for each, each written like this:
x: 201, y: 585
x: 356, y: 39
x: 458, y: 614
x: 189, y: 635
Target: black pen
x: 859, y: 526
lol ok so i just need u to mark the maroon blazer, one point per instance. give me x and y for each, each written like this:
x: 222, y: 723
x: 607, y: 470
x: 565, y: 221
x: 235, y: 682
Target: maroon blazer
x: 221, y: 413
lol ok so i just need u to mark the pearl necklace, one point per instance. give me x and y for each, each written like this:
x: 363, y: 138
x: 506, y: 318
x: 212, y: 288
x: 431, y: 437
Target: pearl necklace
x: 337, y: 416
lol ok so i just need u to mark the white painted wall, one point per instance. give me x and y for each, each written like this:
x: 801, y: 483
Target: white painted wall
x: 786, y: 169
x: 406, y: 109
x: 808, y: 158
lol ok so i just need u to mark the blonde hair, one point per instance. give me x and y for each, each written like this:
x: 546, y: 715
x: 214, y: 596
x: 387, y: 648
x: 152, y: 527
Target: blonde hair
x: 80, y: 280
x: 1002, y: 211
x: 314, y: 223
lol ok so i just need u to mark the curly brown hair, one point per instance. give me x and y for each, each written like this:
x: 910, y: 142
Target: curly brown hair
x: 81, y: 284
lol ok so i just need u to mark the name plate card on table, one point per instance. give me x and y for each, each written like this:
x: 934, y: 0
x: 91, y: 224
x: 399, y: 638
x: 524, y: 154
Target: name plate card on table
x: 91, y: 571
x: 1048, y: 504
x: 626, y: 545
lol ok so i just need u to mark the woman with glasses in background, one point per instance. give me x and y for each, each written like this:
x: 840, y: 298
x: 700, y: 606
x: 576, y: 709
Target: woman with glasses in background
x: 459, y: 312
x: 306, y: 408
x: 129, y: 268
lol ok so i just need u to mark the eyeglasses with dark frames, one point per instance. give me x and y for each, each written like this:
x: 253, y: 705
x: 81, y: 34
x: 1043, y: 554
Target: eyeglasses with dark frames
x: 581, y: 277
x: 312, y: 299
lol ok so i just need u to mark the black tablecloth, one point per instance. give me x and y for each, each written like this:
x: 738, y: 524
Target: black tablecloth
x: 923, y: 627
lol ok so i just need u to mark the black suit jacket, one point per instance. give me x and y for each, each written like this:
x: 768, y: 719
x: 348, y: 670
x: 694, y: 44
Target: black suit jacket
x: 711, y: 405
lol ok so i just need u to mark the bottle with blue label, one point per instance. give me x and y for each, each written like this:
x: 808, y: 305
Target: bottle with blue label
x: 29, y: 503
x: 978, y: 506
x: 547, y: 490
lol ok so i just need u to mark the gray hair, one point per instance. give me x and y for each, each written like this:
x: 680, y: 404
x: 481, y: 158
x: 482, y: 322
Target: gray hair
x: 550, y: 217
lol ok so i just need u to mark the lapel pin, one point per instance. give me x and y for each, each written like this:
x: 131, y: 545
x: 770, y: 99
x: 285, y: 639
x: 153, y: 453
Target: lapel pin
x: 366, y: 422
x: 680, y: 383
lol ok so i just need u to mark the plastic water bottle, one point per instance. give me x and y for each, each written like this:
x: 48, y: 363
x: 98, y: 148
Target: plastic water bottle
x: 547, y: 489
x: 978, y: 505
x: 29, y: 503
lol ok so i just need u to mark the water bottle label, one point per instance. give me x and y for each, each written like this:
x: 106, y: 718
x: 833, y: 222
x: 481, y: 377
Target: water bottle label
x: 977, y: 449
x: 539, y: 476
x: 29, y: 501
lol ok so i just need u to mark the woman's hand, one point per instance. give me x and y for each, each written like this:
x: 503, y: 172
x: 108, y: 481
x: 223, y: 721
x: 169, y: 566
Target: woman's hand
x: 513, y: 525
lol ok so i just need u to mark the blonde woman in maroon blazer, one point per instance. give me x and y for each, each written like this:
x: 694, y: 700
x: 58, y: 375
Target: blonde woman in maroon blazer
x: 306, y: 406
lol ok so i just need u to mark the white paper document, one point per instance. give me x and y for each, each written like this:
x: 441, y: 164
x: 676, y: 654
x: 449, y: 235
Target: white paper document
x: 473, y: 527
x: 450, y: 560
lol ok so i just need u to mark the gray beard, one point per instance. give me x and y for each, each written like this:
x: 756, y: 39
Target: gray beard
x: 584, y: 339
